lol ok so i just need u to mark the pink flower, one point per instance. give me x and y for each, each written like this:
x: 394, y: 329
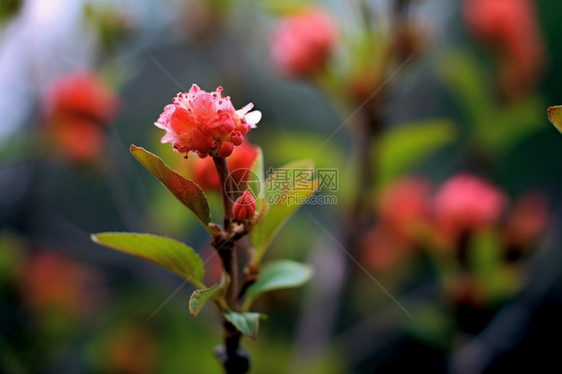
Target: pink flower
x: 244, y: 207
x: 499, y: 21
x: 205, y: 123
x: 302, y: 43
x: 465, y: 203
x: 510, y: 27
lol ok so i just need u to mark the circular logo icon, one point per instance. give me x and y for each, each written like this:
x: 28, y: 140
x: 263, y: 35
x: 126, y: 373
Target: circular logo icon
x: 241, y: 180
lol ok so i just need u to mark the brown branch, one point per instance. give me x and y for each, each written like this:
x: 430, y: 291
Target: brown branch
x: 233, y: 358
x: 226, y: 189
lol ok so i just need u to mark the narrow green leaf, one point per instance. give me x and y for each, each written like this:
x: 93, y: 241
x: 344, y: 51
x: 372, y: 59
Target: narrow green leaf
x: 283, y: 201
x: 187, y: 191
x: 199, y: 298
x: 484, y: 254
x: 246, y: 323
x: 168, y: 253
x: 278, y: 275
x: 555, y: 116
x: 467, y: 81
x: 403, y: 147
x: 486, y: 265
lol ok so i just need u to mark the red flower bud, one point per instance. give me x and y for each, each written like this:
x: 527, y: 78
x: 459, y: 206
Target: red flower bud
x: 244, y: 208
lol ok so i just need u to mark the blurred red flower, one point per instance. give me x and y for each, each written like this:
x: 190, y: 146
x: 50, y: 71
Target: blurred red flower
x: 239, y: 164
x: 133, y: 349
x: 78, y: 105
x: 381, y: 249
x: 466, y: 203
x: 510, y: 27
x: 54, y: 281
x: 205, y: 123
x: 301, y: 43
x: 527, y: 220
x: 403, y: 215
x: 82, y: 93
x: 404, y: 207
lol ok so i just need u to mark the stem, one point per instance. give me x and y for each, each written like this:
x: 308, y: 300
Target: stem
x: 226, y: 188
x: 361, y: 216
x: 233, y: 358
x: 232, y: 294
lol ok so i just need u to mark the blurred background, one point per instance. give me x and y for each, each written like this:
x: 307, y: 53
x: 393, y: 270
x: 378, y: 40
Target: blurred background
x: 441, y: 252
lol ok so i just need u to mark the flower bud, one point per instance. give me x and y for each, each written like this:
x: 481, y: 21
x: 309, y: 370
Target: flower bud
x: 244, y: 208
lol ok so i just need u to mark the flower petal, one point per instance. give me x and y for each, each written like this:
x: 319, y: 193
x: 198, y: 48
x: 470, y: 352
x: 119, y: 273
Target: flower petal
x: 253, y: 118
x: 242, y: 112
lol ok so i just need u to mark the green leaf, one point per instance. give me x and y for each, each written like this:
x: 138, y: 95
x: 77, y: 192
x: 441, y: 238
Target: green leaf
x: 485, y: 259
x: 283, y: 7
x: 199, y: 298
x: 283, y: 201
x: 506, y: 126
x: 217, y: 292
x: 403, y: 147
x: 555, y: 116
x: 278, y: 275
x: 484, y: 252
x: 168, y: 253
x: 287, y: 147
x: 494, y: 126
x: 187, y: 191
x: 246, y: 323
x: 467, y: 81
